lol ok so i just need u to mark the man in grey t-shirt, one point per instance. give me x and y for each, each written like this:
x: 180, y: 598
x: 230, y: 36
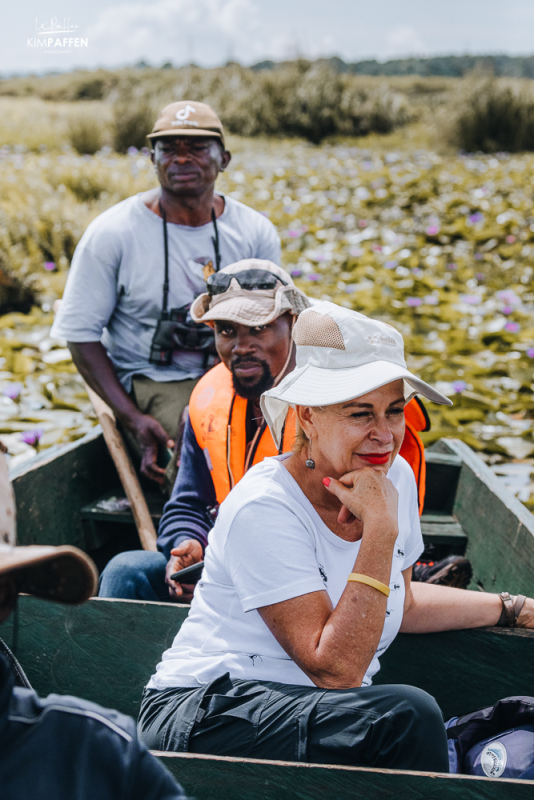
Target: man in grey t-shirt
x: 115, y: 290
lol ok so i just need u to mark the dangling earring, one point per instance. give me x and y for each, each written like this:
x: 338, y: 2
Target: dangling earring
x: 310, y: 463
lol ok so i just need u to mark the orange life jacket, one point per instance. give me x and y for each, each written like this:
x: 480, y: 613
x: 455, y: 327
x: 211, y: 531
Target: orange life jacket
x: 412, y: 448
x: 218, y: 417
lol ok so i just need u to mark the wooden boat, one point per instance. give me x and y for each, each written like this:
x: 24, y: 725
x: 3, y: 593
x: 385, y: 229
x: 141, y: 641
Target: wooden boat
x: 63, y: 498
x: 106, y: 650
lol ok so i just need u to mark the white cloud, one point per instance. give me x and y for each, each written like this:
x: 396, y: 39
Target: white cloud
x: 178, y: 30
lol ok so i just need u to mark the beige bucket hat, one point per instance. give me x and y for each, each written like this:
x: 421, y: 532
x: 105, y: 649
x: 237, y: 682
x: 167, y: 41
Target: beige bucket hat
x: 187, y: 118
x: 250, y: 307
x: 64, y: 574
x: 341, y: 355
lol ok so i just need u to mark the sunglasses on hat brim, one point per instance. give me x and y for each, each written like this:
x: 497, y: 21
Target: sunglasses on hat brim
x: 248, y: 279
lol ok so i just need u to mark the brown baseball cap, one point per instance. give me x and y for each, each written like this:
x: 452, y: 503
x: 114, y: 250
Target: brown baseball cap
x: 187, y: 118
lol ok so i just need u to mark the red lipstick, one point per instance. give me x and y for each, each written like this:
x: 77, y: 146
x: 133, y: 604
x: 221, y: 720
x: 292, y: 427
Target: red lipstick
x: 375, y: 458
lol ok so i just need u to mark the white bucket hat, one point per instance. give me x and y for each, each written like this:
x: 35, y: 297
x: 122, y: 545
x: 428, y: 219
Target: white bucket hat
x: 341, y: 355
x: 250, y: 307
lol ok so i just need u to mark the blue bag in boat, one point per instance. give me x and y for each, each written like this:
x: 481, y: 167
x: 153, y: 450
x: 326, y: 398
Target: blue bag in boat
x: 494, y: 742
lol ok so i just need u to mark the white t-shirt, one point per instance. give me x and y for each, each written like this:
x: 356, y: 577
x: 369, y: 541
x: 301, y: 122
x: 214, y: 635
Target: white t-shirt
x: 269, y: 545
x: 114, y: 291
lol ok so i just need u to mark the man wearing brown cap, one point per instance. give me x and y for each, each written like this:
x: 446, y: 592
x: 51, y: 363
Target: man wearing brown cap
x: 138, y: 268
x: 252, y: 306
x: 61, y: 747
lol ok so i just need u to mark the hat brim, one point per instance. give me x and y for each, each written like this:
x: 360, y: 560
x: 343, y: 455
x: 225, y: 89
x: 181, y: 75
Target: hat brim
x: 63, y: 574
x: 314, y: 386
x: 186, y: 132
x: 251, y: 309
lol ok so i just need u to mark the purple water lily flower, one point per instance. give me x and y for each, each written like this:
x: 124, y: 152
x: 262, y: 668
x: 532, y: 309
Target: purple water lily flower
x: 32, y: 437
x: 509, y: 297
x: 293, y: 234
x: 470, y: 299
x: 391, y: 264
x: 510, y: 239
x: 476, y: 217
x: 530, y: 352
x: 49, y: 265
x: 296, y: 273
x: 512, y: 327
x: 432, y: 230
x: 12, y: 390
x: 452, y: 266
x: 413, y: 302
x: 314, y: 277
x: 459, y: 386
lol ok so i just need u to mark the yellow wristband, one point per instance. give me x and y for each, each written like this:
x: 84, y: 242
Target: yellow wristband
x: 355, y: 576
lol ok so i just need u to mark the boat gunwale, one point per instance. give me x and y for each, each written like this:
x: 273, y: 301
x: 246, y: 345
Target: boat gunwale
x: 336, y: 767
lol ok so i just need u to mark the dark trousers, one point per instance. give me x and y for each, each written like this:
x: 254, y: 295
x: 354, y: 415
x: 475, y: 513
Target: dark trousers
x: 396, y: 726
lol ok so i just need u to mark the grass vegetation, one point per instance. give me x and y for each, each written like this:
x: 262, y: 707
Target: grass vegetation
x: 395, y: 224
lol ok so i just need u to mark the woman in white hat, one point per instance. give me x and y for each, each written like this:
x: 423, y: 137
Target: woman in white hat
x: 307, y: 577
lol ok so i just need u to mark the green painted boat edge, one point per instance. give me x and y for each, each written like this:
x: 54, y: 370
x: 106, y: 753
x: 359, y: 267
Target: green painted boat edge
x: 49, y: 455
x: 212, y: 777
x: 105, y: 651
x: 481, y: 470
x: 499, y: 527
x: 62, y: 648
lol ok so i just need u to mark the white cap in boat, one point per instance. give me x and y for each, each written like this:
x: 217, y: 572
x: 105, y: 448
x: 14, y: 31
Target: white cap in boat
x: 341, y: 355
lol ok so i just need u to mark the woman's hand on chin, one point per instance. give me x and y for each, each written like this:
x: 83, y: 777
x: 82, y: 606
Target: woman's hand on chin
x: 366, y: 494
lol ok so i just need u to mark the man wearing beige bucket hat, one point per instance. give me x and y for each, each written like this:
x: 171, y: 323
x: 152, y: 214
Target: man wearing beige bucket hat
x: 138, y: 268
x: 61, y: 747
x: 252, y: 306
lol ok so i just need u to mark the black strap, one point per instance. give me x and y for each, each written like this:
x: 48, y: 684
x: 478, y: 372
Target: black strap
x: 166, y: 252
x: 20, y: 675
x: 281, y: 448
x: 214, y: 239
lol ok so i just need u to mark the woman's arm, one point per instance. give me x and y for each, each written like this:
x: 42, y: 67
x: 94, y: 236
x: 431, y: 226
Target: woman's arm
x: 334, y: 647
x: 429, y: 608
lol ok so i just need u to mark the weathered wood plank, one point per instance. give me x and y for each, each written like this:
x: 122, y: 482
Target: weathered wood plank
x: 51, y: 489
x: 214, y: 778
x: 500, y: 529
x: 442, y: 472
x: 106, y: 651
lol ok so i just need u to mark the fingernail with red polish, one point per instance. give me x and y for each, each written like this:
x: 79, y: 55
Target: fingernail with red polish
x: 326, y: 481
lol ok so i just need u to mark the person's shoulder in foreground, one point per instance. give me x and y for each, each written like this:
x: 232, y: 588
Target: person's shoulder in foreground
x: 262, y: 236
x: 78, y: 750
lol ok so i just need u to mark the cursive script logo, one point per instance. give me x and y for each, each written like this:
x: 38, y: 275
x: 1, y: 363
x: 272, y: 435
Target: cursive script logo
x: 55, y: 26
x: 48, y: 36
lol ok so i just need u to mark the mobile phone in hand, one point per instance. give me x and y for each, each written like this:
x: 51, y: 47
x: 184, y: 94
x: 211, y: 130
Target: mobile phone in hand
x: 189, y: 574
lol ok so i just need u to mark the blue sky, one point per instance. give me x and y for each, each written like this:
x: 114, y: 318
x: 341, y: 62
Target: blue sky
x: 211, y: 31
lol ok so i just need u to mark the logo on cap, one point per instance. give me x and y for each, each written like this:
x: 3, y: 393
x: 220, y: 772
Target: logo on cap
x: 377, y: 338
x: 185, y: 113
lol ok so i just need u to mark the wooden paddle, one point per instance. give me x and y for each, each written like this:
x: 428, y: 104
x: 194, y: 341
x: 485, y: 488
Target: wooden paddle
x: 123, y: 463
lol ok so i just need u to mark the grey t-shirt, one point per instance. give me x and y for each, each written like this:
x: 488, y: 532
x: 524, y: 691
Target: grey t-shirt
x: 114, y: 291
